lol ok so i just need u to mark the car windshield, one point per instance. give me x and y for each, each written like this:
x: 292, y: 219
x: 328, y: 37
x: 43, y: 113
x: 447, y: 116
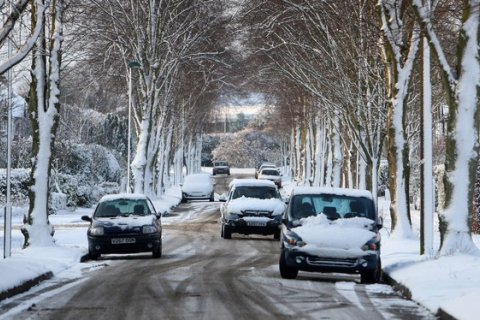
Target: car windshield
x: 221, y: 164
x: 256, y: 192
x: 333, y: 206
x: 270, y: 172
x: 122, y: 207
x: 197, y: 178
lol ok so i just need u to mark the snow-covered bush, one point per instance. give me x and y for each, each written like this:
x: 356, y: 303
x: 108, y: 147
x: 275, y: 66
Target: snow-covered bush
x: 382, y: 178
x: 57, y: 201
x: 81, y: 175
x: 247, y: 148
x: 20, y: 179
x: 209, y: 143
x: 82, y: 171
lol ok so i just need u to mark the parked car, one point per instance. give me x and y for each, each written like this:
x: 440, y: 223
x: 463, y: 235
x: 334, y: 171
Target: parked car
x: 198, y: 186
x: 331, y: 230
x: 251, y: 207
x: 221, y: 167
x: 265, y: 165
x: 271, y: 174
x: 124, y: 223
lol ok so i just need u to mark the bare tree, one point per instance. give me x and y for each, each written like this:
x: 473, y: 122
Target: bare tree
x: 44, y: 110
x: 461, y: 85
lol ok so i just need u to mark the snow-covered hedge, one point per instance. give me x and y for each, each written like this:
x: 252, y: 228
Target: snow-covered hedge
x: 81, y: 175
x: 20, y: 179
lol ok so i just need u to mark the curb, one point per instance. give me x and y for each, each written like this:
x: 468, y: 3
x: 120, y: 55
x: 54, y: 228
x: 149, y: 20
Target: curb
x: 441, y: 314
x: 25, y: 286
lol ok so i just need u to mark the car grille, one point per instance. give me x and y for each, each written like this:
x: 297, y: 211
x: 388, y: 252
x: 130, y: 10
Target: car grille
x: 122, y: 231
x: 320, y: 261
x: 256, y: 213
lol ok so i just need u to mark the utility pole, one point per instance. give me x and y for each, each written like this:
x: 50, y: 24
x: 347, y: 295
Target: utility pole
x: 7, y: 242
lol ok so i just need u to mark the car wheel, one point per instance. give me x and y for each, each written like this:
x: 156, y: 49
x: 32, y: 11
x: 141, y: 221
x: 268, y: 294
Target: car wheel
x: 285, y: 271
x: 372, y: 276
x: 184, y: 200
x: 93, y: 256
x: 221, y: 231
x: 276, y: 235
x: 227, y: 233
x: 157, y: 253
x: 212, y: 199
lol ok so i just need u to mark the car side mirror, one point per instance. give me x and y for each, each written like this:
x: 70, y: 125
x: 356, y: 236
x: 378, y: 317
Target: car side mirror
x: 223, y: 198
x: 380, y: 223
x: 86, y: 218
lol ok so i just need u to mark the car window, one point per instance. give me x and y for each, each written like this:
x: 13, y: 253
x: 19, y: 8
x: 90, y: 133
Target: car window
x: 221, y: 164
x: 270, y: 172
x: 255, y: 192
x: 333, y: 206
x: 122, y: 207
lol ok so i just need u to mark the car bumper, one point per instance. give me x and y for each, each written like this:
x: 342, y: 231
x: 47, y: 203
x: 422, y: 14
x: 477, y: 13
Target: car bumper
x: 305, y: 262
x: 218, y: 171
x: 143, y: 243
x: 248, y: 227
x: 197, y: 197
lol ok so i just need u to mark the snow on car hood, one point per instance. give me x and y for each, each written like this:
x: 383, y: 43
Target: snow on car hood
x: 236, y: 206
x: 342, y: 238
x: 119, y: 221
x: 197, y: 186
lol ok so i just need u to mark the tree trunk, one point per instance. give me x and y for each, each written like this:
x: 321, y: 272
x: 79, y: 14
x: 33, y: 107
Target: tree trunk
x: 44, y: 110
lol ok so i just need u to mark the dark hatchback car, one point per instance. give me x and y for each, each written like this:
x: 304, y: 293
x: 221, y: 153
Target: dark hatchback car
x: 124, y: 223
x: 220, y: 167
x: 331, y: 230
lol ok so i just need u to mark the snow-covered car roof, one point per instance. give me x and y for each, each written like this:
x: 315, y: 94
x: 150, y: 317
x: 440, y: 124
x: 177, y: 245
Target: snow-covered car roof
x: 131, y: 196
x: 333, y: 191
x: 202, y: 176
x: 252, y: 182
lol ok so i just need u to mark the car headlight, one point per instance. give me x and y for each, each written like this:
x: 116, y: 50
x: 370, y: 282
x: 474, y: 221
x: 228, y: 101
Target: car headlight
x: 292, y: 239
x: 149, y: 229
x: 97, y: 231
x: 373, y: 244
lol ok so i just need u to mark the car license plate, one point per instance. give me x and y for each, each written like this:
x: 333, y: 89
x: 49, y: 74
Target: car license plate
x: 123, y: 240
x: 256, y: 224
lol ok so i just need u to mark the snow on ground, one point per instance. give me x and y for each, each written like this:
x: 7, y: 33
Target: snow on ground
x: 450, y: 283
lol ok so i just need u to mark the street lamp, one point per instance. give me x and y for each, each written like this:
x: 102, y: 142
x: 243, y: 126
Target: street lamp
x: 7, y: 240
x: 131, y: 64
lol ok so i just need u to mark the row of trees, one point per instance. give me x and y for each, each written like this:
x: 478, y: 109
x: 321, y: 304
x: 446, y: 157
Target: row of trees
x: 346, y: 83
x: 167, y: 52
x: 342, y: 76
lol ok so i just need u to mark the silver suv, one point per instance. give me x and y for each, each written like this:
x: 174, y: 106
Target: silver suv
x: 251, y: 207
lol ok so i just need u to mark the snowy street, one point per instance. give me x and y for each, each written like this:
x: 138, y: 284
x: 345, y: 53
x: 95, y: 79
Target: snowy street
x: 200, y: 275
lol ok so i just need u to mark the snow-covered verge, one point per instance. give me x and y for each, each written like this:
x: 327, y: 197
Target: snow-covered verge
x: 449, y: 283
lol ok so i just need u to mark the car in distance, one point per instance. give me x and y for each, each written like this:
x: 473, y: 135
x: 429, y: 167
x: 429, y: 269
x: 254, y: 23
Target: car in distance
x: 331, y: 230
x: 269, y: 165
x: 271, y: 174
x: 198, y: 186
x: 221, y: 167
x: 124, y: 223
x: 251, y: 207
